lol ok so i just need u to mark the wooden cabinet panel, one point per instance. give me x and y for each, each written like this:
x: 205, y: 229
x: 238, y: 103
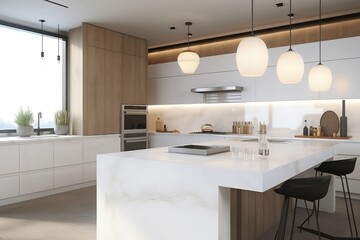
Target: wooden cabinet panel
x: 113, y: 41
x: 112, y: 92
x: 127, y: 78
x: 94, y: 123
x: 95, y: 36
x: 114, y: 72
x: 36, y: 156
x: 139, y: 81
x: 9, y: 159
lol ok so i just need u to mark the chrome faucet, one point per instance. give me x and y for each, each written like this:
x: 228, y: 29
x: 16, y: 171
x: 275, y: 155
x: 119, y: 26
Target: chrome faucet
x: 39, y: 116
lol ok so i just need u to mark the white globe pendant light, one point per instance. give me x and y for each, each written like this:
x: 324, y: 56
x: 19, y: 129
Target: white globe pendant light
x: 290, y: 65
x: 188, y: 60
x: 252, y: 55
x: 320, y: 77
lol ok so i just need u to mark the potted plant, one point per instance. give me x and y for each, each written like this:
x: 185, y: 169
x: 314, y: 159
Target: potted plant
x: 61, y: 120
x: 24, y: 120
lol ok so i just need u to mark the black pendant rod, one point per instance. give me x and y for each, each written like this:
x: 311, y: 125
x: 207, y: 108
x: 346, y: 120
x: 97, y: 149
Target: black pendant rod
x: 188, y: 24
x: 320, y: 31
x: 58, y: 56
x: 252, y: 17
x: 42, y: 38
x: 290, y: 16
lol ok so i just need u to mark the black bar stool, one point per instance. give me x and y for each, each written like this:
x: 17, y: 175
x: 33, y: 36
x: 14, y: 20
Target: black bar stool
x: 342, y: 168
x: 308, y: 189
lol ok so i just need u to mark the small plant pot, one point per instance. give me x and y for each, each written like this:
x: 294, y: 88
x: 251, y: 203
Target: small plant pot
x: 61, y: 129
x: 25, y: 131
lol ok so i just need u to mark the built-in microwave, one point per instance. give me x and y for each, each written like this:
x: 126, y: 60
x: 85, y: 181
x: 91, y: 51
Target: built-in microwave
x: 134, y: 134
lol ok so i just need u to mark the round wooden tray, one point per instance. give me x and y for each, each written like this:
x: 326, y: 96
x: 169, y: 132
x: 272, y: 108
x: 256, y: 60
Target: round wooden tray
x: 329, y: 123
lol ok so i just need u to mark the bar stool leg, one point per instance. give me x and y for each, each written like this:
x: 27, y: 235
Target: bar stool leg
x: 351, y: 206
x: 346, y: 205
x: 293, y: 222
x: 280, y: 235
x: 317, y: 220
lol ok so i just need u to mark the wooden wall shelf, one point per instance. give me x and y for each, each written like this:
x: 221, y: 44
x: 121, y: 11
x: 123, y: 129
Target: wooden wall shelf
x: 322, y: 137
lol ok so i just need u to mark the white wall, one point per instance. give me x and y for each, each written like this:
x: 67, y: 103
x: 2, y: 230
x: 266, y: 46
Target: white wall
x: 284, y: 118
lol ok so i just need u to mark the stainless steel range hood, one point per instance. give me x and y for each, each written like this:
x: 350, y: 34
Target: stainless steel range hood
x: 225, y: 94
x: 217, y: 89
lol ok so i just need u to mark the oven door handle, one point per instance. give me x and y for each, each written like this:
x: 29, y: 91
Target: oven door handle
x: 135, y: 140
x: 135, y: 112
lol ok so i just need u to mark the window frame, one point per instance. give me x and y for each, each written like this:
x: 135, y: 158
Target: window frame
x: 65, y: 82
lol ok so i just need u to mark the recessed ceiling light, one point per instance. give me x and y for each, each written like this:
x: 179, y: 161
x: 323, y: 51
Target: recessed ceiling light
x: 280, y: 4
x: 172, y: 28
x: 291, y: 15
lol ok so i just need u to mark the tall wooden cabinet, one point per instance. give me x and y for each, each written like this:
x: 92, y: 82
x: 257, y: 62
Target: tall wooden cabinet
x: 107, y: 69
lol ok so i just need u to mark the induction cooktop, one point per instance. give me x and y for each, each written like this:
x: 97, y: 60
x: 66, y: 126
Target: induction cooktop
x: 203, y: 150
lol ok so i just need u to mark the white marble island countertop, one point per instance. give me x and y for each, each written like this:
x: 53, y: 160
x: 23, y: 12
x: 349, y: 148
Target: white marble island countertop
x: 156, y: 195
x: 286, y: 160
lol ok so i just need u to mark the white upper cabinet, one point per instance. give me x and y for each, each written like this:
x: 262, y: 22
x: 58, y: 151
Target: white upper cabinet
x: 168, y: 85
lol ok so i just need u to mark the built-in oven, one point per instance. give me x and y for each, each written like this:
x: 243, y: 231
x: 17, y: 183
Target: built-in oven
x: 134, y: 135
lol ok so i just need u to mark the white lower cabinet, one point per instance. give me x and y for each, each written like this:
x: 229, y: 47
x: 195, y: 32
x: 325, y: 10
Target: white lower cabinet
x: 345, y: 151
x: 35, y: 156
x: 66, y: 176
x: 36, y: 181
x: 89, y: 172
x: 67, y: 152
x: 97, y: 145
x: 9, y: 159
x: 9, y: 186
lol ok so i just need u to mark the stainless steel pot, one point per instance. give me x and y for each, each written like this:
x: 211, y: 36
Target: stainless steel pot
x: 207, y: 128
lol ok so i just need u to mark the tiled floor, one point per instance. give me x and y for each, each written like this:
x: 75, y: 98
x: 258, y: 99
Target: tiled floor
x: 72, y: 216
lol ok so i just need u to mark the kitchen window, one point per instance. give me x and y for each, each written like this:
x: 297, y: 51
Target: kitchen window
x: 27, y: 80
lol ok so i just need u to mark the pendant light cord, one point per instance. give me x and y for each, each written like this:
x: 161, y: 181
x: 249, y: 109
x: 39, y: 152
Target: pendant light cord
x: 252, y: 17
x: 58, y: 56
x: 188, y: 36
x: 290, y: 14
x: 320, y: 31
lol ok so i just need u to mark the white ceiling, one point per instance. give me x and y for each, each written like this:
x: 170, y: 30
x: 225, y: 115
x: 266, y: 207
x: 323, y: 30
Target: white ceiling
x: 152, y: 19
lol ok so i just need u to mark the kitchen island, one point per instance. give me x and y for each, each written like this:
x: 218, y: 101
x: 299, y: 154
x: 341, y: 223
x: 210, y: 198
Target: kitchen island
x: 156, y: 195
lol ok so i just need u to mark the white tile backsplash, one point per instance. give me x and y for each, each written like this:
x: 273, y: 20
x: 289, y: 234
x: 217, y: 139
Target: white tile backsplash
x: 284, y: 119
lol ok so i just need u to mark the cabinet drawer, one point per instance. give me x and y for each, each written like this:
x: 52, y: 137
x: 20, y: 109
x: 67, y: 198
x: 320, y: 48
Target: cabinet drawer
x: 67, y: 153
x: 36, y: 181
x: 89, y: 172
x: 356, y: 173
x: 66, y: 176
x: 9, y: 187
x: 354, y: 185
x: 36, y: 156
x: 348, y: 148
x: 9, y: 159
x: 94, y: 146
